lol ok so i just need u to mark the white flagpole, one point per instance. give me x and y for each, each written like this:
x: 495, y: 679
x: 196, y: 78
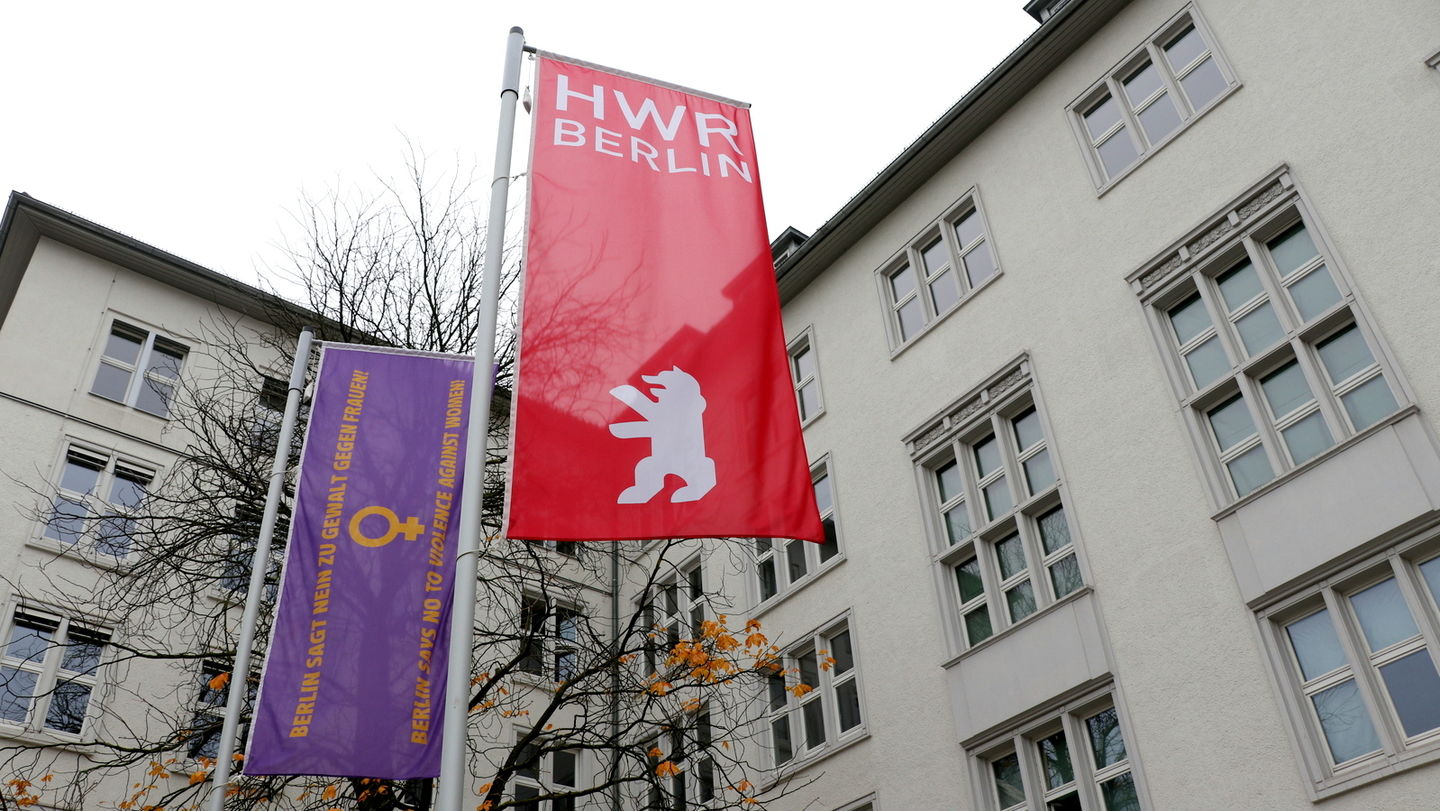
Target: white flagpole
x: 453, y: 771
x: 239, y: 674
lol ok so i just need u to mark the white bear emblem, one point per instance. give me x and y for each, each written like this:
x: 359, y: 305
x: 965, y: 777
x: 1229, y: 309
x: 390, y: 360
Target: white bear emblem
x: 677, y: 437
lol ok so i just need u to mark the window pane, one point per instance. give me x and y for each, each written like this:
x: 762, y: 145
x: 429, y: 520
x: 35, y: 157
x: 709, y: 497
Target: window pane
x: 1021, y: 601
x: 82, y: 655
x: 957, y: 523
x: 1307, y: 438
x: 1054, y: 532
x: 29, y: 639
x: 1314, y: 293
x: 67, y: 707
x: 1105, y: 738
x: 977, y: 625
x: 111, y: 383
x: 1027, y: 430
x: 1120, y: 794
x: 154, y: 397
x: 824, y: 501
x: 1239, y: 285
x: 1344, y: 354
x: 1039, y: 473
x: 809, y: 668
x: 1347, y: 727
x: 1008, y: 785
x: 1065, y: 576
x: 912, y: 318
x: 1286, y: 389
x: 1231, y: 422
x: 1207, y: 363
x: 979, y: 264
x: 780, y: 738
x: 1259, y: 328
x: 1159, y: 119
x: 1100, y: 118
x: 1384, y: 617
x: 1250, y: 470
x: 1203, y: 83
x: 1292, y: 249
x: 997, y: 498
x: 124, y: 348
x: 1055, y: 757
x: 1117, y: 152
x: 17, y: 690
x: 1414, y: 688
x: 842, y: 653
x: 987, y: 456
x: 67, y: 522
x: 945, y: 291
x: 902, y: 283
x: 165, y: 361
x: 1068, y: 802
x: 1189, y: 319
x: 1430, y: 569
x: 814, y: 714
x: 947, y: 478
x: 1010, y: 554
x: 767, y: 578
x: 831, y: 547
x: 847, y: 699
x: 128, y: 489
x: 1315, y: 644
x: 80, y: 475
x: 795, y: 559
x: 804, y: 360
x: 935, y: 256
x: 967, y: 577
x: 1369, y: 403
x: 969, y: 229
x: 1142, y: 84
x: 809, y: 400
x: 778, y: 694
x: 1185, y: 48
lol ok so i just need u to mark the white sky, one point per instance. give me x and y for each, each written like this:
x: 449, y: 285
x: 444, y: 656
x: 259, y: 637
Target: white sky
x: 195, y: 126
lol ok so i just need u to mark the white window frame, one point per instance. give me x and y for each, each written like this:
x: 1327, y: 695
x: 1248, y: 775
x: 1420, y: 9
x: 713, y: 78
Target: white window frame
x: 49, y: 671
x: 210, y: 710
x: 1398, y: 751
x: 955, y: 255
x: 1112, y: 86
x: 109, y: 466
x: 777, y: 555
x: 544, y: 780
x: 1237, y: 234
x: 140, y: 371
x: 552, y: 641
x: 1023, y: 741
x: 687, y: 788
x: 803, y: 343
x: 948, y: 441
x: 793, y: 716
x: 677, y: 602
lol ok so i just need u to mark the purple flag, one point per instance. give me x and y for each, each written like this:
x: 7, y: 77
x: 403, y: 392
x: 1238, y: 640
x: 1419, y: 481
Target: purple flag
x: 354, y: 680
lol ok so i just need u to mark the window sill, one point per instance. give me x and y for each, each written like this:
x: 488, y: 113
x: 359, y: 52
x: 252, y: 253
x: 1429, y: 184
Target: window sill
x: 800, y: 764
x: 1334, y: 450
x: 1124, y: 173
x: 77, y: 553
x: 62, y: 741
x: 1372, y: 770
x: 995, y: 638
x: 102, y: 398
x: 925, y: 330
x: 810, y: 420
x: 764, y: 607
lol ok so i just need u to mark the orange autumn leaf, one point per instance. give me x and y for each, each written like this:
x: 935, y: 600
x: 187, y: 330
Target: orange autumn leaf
x: 197, y: 777
x: 800, y: 690
x: 486, y: 788
x: 743, y: 786
x: 330, y: 792
x: 691, y: 706
x: 219, y: 680
x: 666, y: 769
x: 655, y: 751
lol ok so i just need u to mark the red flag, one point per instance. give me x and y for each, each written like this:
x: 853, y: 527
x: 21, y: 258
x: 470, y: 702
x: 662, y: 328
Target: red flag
x: 654, y: 396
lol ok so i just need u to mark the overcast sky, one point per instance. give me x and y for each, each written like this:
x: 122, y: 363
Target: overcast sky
x: 196, y: 126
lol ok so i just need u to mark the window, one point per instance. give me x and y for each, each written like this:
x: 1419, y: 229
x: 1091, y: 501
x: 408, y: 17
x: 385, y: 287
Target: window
x: 139, y: 368
x: 692, y: 783
x: 48, y: 671
x: 208, y: 722
x: 675, y: 611
x: 781, y: 565
x: 236, y: 566
x: 951, y: 260
x: 1074, y: 760
x: 96, y: 500
x: 1358, y: 654
x: 1270, y: 355
x: 541, y: 773
x: 813, y: 701
x: 805, y: 373
x: 568, y: 549
x: 269, y: 413
x: 550, y: 637
x: 1152, y: 95
x: 1002, y: 535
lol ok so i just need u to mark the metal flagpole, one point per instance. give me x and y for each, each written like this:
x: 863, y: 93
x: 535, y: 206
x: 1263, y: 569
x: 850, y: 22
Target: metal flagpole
x: 453, y: 772
x: 239, y: 674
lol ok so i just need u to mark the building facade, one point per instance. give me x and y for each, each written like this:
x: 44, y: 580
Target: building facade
x: 1120, y: 380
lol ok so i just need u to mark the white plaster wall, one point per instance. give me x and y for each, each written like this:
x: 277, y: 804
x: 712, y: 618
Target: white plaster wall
x: 1335, y: 89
